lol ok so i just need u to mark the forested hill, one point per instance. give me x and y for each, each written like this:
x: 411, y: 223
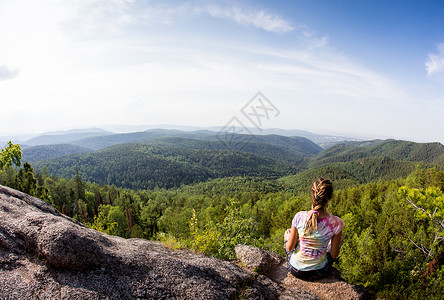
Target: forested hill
x: 101, y: 142
x: 42, y: 152
x: 400, y: 150
x: 353, y: 163
x: 208, y: 139
x: 353, y: 173
x: 169, y: 158
x: 140, y: 166
x: 295, y: 150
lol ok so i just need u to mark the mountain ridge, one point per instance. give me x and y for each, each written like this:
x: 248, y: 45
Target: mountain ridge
x: 62, y: 136
x: 49, y: 139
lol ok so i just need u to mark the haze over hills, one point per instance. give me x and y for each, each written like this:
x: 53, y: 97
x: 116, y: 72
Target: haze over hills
x: 317, y: 138
x: 101, y: 142
x: 65, y: 137
x: 68, y: 136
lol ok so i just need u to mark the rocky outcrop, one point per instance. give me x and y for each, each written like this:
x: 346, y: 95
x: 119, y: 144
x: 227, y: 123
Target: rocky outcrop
x: 46, y: 255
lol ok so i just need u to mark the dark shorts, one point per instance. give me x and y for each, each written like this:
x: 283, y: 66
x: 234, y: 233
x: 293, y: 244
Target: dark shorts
x: 309, y: 275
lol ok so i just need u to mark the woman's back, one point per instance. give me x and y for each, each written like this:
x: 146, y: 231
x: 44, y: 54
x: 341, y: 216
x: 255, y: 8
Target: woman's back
x: 311, y: 252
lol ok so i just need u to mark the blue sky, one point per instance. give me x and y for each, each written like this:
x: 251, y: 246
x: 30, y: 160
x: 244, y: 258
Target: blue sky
x: 362, y: 68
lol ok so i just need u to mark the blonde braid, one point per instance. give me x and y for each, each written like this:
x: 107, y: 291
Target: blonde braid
x: 321, y: 192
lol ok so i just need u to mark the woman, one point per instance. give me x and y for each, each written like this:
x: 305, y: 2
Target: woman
x: 313, y: 241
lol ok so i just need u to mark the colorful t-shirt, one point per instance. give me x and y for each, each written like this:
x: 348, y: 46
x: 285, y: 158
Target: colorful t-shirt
x: 311, y: 251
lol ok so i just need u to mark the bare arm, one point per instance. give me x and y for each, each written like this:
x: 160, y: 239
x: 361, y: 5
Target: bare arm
x: 335, y: 242
x: 291, y: 235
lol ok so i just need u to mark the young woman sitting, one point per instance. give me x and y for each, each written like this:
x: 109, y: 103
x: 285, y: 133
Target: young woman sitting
x: 312, y: 243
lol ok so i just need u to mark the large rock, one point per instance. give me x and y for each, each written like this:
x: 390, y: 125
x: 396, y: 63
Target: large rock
x: 257, y: 260
x: 46, y: 255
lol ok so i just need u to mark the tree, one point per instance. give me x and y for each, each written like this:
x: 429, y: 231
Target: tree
x: 429, y: 211
x: 79, y: 187
x: 26, y: 182
x: 11, y: 154
x: 117, y: 216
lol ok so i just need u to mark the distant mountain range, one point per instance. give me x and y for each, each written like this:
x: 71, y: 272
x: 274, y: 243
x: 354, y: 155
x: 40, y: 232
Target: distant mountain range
x: 75, y: 135
x: 95, y: 139
x: 171, y: 158
x: 66, y: 137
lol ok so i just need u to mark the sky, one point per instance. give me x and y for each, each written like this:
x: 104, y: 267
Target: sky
x: 372, y: 69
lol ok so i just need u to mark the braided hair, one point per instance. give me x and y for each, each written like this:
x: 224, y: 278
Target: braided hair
x: 321, y: 193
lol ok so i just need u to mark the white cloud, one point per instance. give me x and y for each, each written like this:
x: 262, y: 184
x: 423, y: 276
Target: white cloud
x: 435, y: 64
x: 7, y: 73
x: 325, y: 72
x: 110, y: 16
x: 258, y: 18
x: 317, y: 42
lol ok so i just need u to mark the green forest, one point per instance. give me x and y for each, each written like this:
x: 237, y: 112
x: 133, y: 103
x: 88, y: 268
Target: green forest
x: 390, y: 195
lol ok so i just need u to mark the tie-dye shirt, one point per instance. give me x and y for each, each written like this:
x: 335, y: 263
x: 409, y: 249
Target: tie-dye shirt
x: 311, y: 251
